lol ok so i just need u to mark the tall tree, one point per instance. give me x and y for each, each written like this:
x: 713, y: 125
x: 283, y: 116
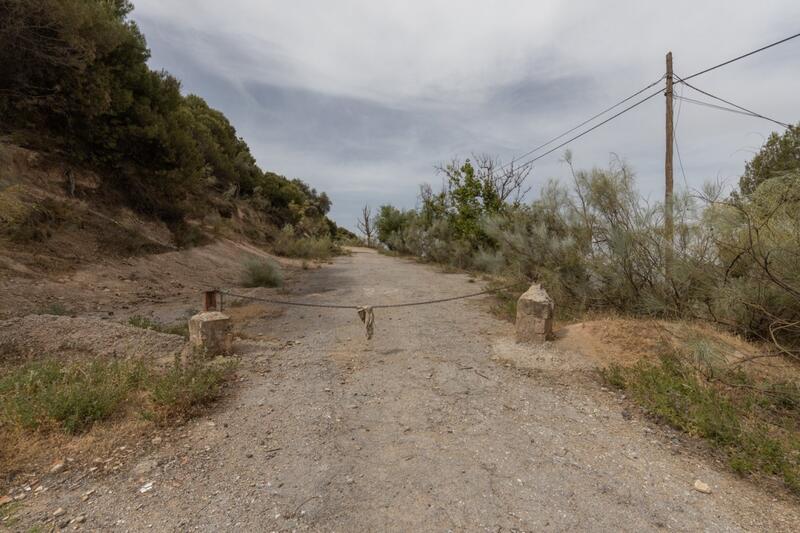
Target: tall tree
x: 780, y: 154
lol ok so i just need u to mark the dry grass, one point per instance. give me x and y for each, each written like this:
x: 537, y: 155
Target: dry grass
x: 178, y: 328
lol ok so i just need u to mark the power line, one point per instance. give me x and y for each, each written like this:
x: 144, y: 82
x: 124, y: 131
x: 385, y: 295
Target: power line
x: 740, y: 109
x: 753, y: 113
x: 715, y: 106
x: 601, y: 113
x: 675, y: 140
x: 606, y: 121
x: 748, y: 54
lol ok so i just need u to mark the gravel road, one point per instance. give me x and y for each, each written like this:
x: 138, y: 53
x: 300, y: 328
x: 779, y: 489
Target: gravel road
x: 423, y: 428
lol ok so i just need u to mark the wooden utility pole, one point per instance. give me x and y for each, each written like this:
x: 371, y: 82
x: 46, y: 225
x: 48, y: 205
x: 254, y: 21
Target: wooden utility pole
x: 669, y: 230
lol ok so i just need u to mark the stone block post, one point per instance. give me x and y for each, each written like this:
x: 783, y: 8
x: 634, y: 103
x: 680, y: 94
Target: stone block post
x: 211, y: 333
x: 534, y: 315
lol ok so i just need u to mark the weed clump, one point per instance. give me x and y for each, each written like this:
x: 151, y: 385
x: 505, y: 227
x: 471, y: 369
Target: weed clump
x: 262, y: 274
x: 183, y: 390
x: 56, y: 309
x: 142, y: 322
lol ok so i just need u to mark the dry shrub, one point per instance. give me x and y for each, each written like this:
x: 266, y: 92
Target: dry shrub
x: 287, y: 244
x: 258, y: 273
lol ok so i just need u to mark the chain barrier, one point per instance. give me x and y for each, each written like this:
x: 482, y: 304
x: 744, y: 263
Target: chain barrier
x: 365, y: 312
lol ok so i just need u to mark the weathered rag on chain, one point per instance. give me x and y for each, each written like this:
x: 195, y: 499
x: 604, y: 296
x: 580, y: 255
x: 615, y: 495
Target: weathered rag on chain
x: 367, y: 316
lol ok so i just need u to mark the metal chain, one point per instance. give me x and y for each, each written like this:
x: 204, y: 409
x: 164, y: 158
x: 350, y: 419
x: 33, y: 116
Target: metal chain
x: 357, y: 307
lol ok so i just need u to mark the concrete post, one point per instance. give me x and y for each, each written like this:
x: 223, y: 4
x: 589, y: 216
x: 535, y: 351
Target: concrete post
x: 211, y: 333
x: 535, y: 311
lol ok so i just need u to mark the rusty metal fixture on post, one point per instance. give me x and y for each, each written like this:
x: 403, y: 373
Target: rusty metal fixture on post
x: 210, y: 300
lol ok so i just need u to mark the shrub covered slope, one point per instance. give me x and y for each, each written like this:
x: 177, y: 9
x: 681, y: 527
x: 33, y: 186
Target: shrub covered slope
x: 74, y: 81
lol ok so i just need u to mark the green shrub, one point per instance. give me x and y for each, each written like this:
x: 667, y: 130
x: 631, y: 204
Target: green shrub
x: 183, y: 390
x: 259, y: 273
x: 71, y: 395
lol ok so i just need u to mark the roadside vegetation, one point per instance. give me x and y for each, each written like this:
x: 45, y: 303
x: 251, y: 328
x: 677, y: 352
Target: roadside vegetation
x: 753, y: 421
x: 50, y: 396
x: 259, y: 273
x: 598, y: 246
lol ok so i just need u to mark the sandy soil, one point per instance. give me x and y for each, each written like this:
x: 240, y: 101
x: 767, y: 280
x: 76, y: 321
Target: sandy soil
x: 165, y: 287
x: 439, y: 423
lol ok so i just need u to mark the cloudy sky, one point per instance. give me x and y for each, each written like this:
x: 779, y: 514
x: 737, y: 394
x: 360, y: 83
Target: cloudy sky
x: 361, y: 98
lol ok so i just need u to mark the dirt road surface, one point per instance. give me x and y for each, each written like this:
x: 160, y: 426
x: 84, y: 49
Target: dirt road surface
x: 423, y: 428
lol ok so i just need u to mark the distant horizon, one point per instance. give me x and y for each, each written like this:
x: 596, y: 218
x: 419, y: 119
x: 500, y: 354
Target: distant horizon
x: 366, y: 117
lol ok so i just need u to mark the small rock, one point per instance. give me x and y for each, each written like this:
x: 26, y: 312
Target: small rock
x: 57, y: 467
x: 80, y: 519
x: 699, y: 486
x: 5, y: 499
x: 147, y: 487
x: 144, y: 467
x: 59, y: 512
x: 156, y: 440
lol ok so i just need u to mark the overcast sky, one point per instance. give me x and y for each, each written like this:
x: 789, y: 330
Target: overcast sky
x: 362, y: 98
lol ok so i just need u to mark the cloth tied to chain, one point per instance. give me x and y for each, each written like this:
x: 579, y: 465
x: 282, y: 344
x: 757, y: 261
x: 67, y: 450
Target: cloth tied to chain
x: 367, y: 316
